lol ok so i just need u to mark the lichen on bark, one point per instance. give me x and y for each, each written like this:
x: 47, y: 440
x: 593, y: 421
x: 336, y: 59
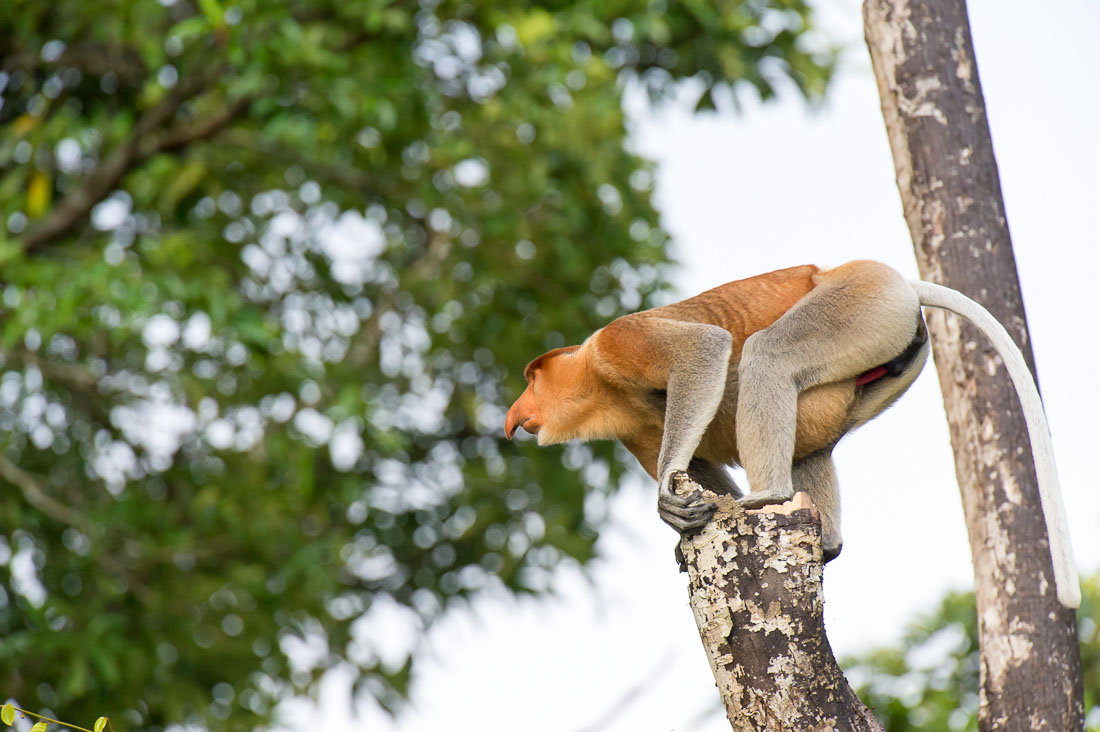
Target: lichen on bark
x: 755, y: 591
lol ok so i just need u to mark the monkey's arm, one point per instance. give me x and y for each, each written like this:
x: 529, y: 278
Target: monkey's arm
x: 691, y: 359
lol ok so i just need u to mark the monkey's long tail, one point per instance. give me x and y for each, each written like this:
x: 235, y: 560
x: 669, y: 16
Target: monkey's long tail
x: 1050, y: 494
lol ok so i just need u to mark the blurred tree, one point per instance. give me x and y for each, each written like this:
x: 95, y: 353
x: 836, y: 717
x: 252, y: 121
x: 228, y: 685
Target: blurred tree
x: 929, y: 681
x: 270, y: 272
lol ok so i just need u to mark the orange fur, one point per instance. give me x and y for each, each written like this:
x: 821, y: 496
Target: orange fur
x: 768, y: 372
x: 607, y: 387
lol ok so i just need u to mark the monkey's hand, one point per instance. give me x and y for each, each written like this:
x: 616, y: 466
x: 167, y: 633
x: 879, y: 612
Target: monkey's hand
x: 687, y: 513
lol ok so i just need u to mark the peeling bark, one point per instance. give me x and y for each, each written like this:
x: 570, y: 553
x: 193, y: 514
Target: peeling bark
x: 935, y: 117
x: 755, y: 590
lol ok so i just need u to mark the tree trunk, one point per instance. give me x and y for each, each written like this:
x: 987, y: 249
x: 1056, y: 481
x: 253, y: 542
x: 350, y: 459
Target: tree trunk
x: 755, y: 589
x: 932, y: 101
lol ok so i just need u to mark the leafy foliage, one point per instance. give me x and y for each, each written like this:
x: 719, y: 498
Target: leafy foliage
x: 930, y: 680
x: 270, y: 272
x: 7, y: 716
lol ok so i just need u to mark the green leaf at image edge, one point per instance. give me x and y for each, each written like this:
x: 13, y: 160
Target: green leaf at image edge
x: 100, y: 724
x: 7, y: 714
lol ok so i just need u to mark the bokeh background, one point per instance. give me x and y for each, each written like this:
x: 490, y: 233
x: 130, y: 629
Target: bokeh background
x: 270, y: 272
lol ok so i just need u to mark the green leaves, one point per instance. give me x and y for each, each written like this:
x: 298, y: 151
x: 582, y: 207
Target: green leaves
x: 533, y: 26
x: 7, y: 716
x: 270, y: 276
x: 929, y: 680
x: 212, y: 9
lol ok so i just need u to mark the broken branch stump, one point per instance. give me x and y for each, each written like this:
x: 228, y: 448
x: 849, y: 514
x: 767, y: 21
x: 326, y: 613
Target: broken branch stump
x: 755, y: 590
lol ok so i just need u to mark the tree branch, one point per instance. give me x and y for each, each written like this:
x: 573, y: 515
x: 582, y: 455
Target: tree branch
x: 347, y: 176
x: 37, y: 497
x: 923, y: 59
x: 139, y: 147
x: 182, y: 136
x: 88, y: 57
x: 77, y: 381
x: 755, y: 589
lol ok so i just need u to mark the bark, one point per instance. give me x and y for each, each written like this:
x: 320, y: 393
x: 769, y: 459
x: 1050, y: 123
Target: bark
x: 935, y: 116
x: 755, y: 590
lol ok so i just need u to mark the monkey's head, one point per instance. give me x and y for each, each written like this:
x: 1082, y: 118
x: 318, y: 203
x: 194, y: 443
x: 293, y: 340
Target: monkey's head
x: 553, y: 403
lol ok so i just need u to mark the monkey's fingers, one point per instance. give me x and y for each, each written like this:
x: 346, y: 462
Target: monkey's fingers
x: 686, y: 514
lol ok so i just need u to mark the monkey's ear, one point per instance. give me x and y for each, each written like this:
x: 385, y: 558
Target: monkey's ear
x: 529, y: 372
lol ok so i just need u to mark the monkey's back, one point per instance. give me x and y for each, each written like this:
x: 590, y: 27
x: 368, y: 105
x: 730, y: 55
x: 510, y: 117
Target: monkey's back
x: 744, y: 307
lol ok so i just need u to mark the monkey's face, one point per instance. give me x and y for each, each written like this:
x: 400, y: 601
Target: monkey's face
x: 544, y: 404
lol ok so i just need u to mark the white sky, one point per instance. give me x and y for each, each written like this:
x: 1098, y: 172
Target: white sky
x: 746, y: 194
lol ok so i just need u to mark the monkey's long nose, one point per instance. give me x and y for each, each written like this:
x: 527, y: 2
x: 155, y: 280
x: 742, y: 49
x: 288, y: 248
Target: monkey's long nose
x: 511, y: 423
x: 520, y: 416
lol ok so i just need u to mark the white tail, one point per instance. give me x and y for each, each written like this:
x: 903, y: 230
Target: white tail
x: 1050, y: 495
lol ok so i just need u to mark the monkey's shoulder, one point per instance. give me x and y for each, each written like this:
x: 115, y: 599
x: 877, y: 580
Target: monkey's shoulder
x: 640, y: 350
x: 631, y: 350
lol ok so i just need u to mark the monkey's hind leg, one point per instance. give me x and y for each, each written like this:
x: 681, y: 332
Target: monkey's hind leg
x: 859, y: 316
x: 816, y: 475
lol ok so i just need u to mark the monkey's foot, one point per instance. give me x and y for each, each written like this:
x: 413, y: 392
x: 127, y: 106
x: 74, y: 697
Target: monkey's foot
x: 797, y: 502
x: 830, y: 544
x: 678, y: 555
x: 759, y: 500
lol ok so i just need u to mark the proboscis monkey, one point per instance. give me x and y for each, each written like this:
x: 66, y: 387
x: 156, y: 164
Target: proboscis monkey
x: 767, y: 372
